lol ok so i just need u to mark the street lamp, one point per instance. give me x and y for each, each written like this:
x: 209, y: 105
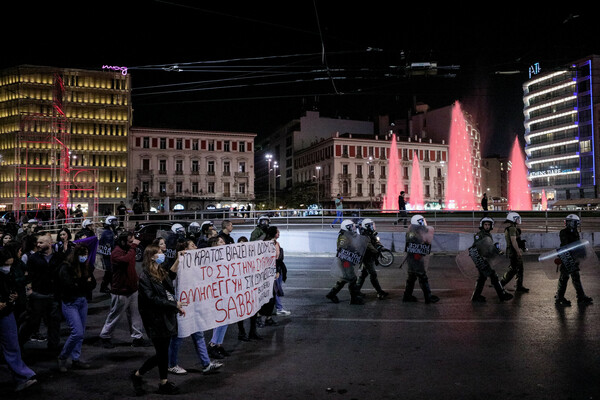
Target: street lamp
x: 269, y: 157
x: 275, y: 166
x: 318, y: 167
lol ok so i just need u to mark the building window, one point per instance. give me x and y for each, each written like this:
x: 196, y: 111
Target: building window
x: 179, y: 187
x: 195, y: 144
x: 195, y: 187
x: 359, y: 171
x: 405, y: 172
x: 226, y: 168
x: 195, y: 166
x: 179, y: 167
x: 226, y: 191
x: 242, y: 166
x: 146, y: 142
x: 146, y: 186
x: 210, y: 167
x: 345, y: 169
x: 146, y: 164
x: 163, y: 143
x: 226, y: 146
x: 162, y: 166
x: 211, y: 145
x: 211, y: 187
x: 162, y: 186
x: 179, y: 144
x: 242, y: 146
x: 242, y: 188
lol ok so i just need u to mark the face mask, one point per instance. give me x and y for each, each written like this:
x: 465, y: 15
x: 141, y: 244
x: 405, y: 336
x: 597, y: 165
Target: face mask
x: 160, y: 258
x: 82, y: 259
x: 5, y: 269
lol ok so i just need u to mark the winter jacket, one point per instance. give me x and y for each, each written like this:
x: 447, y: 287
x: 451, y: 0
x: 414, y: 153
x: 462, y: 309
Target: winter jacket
x: 124, y: 276
x: 157, y: 305
x: 43, y: 272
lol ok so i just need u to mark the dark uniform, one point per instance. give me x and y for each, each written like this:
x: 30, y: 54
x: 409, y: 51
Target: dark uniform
x: 483, y: 247
x: 368, y: 265
x: 416, y: 265
x: 516, y: 259
x: 349, y: 276
x: 569, y: 235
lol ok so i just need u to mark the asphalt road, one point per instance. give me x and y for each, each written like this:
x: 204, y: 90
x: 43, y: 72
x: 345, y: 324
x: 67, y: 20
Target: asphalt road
x: 525, y: 348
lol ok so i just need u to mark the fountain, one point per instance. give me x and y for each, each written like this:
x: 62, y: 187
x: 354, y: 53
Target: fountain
x: 415, y: 195
x: 519, y: 194
x: 461, y: 188
x: 390, y: 201
x: 544, y: 201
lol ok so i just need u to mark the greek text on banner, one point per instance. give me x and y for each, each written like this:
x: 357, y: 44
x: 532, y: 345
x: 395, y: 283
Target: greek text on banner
x: 224, y: 284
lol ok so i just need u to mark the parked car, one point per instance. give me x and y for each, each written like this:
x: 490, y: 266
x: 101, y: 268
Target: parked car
x: 147, y: 232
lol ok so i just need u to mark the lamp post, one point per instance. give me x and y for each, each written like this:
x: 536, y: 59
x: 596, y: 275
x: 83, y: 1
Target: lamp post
x: 269, y: 157
x: 275, y: 166
x: 318, y: 168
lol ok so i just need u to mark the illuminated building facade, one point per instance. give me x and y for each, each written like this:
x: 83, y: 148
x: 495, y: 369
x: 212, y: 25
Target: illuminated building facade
x: 63, y: 138
x: 561, y: 132
x: 194, y: 170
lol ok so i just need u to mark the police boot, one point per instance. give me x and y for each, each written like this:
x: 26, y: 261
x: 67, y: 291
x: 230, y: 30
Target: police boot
x: 519, y: 284
x: 332, y: 295
x: 408, y: 296
x: 429, y: 298
x: 355, y: 297
x: 559, y: 297
x: 477, y: 297
x: 381, y: 294
x: 502, y: 295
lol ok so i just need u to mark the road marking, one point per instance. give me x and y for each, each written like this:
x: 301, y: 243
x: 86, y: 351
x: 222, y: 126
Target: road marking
x: 448, y: 321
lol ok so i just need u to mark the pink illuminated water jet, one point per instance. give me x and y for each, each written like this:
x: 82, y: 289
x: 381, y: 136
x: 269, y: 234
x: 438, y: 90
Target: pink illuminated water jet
x: 390, y: 201
x: 416, y: 184
x: 461, y: 188
x: 544, y: 201
x: 519, y: 194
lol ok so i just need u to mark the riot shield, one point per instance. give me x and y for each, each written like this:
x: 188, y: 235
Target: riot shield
x: 574, y: 256
x: 418, y: 247
x: 473, y: 260
x: 349, y: 256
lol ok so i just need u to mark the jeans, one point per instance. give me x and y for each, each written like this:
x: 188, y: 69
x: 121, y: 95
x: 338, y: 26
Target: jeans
x: 9, y: 344
x: 76, y: 315
x: 120, y: 304
x: 219, y: 334
x: 199, y: 345
x: 339, y: 214
x: 278, y: 305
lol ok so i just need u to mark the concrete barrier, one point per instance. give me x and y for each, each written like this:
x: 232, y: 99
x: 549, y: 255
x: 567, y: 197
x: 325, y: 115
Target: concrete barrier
x: 299, y: 241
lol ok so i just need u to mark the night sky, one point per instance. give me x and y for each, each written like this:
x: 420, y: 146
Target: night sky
x: 251, y: 66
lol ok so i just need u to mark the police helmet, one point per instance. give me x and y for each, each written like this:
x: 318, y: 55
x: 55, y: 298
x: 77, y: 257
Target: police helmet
x: 86, y: 223
x: 111, y: 220
x: 3, y: 221
x: 418, y: 220
x: 513, y: 217
x: 194, y: 228
x: 572, y: 221
x: 177, y: 228
x: 32, y: 221
x: 348, y: 225
x: 264, y: 220
x: 367, y: 224
x: 486, y: 219
x: 206, y: 226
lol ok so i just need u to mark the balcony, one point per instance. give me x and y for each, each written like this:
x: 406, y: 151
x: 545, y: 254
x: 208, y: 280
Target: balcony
x: 241, y: 175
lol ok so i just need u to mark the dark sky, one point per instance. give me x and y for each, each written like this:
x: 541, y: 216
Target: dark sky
x: 251, y: 66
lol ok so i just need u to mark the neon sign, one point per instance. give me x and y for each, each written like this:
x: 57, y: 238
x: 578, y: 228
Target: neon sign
x: 115, y: 68
x: 534, y: 70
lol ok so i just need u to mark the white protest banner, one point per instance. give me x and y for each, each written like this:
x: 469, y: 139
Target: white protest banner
x: 224, y: 284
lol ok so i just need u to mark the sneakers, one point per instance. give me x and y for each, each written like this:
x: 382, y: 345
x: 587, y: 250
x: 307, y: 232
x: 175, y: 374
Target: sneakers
x: 213, y: 352
x: 107, y: 343
x: 138, y: 384
x: 478, y: 299
x: 80, y: 364
x: 283, y: 312
x: 223, y: 352
x: 25, y: 384
x: 331, y: 296
x: 62, y: 365
x: 212, y: 367
x: 168, y: 388
x: 562, y: 302
x: 585, y: 300
x: 177, y: 370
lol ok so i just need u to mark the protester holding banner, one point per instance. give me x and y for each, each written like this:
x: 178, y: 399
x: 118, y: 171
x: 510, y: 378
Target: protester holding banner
x: 350, y: 250
x: 271, y: 234
x: 570, y: 234
x: 158, y: 308
x: 197, y: 337
x: 253, y: 335
x: 419, y: 237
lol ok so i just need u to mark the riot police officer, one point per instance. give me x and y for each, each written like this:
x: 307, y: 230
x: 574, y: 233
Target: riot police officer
x: 514, y: 250
x: 367, y: 228
x: 193, y: 232
x: 568, y: 235
x: 260, y: 232
x: 347, y: 231
x: 177, y: 235
x: 418, y: 245
x: 484, y: 249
